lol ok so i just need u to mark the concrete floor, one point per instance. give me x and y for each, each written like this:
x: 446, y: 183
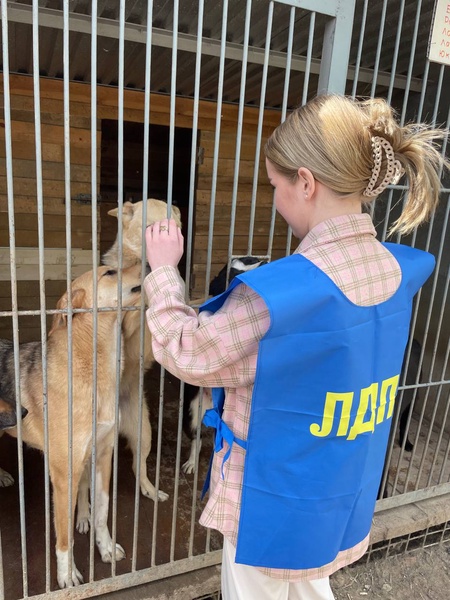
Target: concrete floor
x: 35, y: 514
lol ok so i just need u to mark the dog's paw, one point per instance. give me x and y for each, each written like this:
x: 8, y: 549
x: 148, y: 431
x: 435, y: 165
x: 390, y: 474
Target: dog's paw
x: 149, y: 491
x: 162, y: 496
x: 83, y: 524
x: 62, y: 574
x: 188, y: 467
x: 5, y: 479
x: 106, y: 553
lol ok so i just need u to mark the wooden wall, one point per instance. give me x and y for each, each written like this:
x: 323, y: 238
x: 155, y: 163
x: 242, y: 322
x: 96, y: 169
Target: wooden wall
x: 24, y: 168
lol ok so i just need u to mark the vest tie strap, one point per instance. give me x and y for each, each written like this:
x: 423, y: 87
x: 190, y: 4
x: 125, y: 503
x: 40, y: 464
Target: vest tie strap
x: 223, y: 432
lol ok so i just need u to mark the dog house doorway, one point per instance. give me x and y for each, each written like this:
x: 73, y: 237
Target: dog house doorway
x: 158, y: 166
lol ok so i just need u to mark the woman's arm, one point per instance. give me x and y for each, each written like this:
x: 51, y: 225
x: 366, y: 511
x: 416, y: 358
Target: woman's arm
x: 206, y: 350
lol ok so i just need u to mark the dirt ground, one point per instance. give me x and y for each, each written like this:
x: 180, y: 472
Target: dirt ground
x: 420, y: 575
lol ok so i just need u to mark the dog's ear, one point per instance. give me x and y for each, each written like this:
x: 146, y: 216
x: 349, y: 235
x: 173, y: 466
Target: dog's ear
x: 176, y: 214
x: 60, y: 319
x: 127, y: 212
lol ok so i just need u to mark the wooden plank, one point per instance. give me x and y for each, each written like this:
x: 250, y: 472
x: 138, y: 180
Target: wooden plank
x: 50, y: 170
x: 31, y: 289
x: 52, y: 118
x: 134, y: 99
x: 32, y: 302
x: 52, y: 206
x: 52, y: 239
x: 51, y: 272
x: 49, y: 133
x: 50, y: 152
x: 223, y: 199
x: 29, y: 222
x: 52, y: 256
x: 55, y: 266
x: 53, y: 189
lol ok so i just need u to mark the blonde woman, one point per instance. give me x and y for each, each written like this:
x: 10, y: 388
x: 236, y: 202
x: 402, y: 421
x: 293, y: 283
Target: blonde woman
x: 308, y: 349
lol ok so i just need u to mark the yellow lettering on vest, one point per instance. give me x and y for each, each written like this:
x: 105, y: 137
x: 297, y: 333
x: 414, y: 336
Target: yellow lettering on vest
x: 392, y: 385
x: 331, y: 401
x: 360, y: 425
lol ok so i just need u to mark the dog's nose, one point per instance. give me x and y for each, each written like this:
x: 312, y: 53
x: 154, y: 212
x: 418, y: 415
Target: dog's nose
x: 136, y: 289
x: 24, y: 412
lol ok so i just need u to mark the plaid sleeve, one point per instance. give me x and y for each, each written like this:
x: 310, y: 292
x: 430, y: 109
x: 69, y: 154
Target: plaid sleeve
x: 211, y: 350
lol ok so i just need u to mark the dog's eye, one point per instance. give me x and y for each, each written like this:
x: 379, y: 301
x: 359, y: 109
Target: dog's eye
x: 111, y: 272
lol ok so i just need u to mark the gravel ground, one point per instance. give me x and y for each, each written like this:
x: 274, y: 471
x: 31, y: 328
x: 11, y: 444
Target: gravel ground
x: 420, y: 575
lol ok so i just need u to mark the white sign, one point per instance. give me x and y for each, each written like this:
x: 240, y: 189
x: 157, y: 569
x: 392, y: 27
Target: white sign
x: 439, y: 46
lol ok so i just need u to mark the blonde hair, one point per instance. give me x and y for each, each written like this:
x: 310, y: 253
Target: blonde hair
x: 332, y: 135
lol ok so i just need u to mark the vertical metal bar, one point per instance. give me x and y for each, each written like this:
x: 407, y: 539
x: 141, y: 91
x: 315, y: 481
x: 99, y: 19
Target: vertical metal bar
x: 173, y: 95
x: 177, y: 473
x: 439, y: 392
x: 42, y: 300
x: 379, y: 46
x: 120, y: 149
x: 195, y: 482
x: 216, y: 143
x: 424, y: 87
x: 336, y: 49
x: 285, y: 101
x: 396, y: 48
x: 312, y: 24
x: 240, y: 122
x: 93, y: 484
x: 158, y: 464
x: 360, y: 47
x: 192, y: 181
x: 68, y: 215
x: 173, y: 92
x: 15, y: 319
x: 142, y: 325
x: 259, y: 129
x: 411, y: 60
x: 190, y: 225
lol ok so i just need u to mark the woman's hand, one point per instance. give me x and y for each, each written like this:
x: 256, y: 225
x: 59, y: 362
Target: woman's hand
x: 164, y: 242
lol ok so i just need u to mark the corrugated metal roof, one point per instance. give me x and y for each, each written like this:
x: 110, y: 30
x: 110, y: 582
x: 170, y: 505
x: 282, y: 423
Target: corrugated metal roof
x: 51, y: 45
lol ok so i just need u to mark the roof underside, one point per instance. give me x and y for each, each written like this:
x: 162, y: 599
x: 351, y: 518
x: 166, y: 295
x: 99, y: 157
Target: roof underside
x: 385, y: 22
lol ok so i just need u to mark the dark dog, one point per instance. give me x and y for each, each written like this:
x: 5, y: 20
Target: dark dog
x: 8, y: 413
x: 194, y: 406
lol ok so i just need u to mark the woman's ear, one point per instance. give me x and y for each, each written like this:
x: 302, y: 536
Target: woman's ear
x: 306, y: 181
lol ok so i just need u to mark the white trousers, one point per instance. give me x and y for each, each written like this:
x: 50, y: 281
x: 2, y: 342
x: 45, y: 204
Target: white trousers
x: 241, y: 582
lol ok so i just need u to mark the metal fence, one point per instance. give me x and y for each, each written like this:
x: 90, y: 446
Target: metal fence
x: 285, y: 52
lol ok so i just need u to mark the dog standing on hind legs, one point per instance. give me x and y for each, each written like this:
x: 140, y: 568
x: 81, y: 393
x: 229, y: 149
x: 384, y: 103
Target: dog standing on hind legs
x: 132, y: 216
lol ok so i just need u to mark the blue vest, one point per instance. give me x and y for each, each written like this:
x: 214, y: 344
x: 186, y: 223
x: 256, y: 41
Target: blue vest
x: 325, y: 385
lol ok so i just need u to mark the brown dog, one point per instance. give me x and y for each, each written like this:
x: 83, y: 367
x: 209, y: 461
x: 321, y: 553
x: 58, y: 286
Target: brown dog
x: 82, y: 393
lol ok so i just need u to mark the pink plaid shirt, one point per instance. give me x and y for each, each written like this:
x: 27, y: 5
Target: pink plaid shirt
x: 220, y: 350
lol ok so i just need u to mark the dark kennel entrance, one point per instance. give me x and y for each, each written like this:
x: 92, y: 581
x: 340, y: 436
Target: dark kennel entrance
x: 133, y: 160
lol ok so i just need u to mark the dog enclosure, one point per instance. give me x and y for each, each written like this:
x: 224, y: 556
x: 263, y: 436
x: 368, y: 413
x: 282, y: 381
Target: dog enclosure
x: 100, y: 109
